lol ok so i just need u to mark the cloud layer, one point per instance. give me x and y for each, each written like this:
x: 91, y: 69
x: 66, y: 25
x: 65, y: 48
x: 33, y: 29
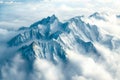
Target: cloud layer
x: 17, y: 13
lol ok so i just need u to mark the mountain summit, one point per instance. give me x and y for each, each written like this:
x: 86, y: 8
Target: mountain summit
x: 45, y: 29
x: 45, y: 21
x: 99, y: 16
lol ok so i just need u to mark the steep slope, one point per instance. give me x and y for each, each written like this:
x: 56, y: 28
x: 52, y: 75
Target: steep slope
x: 84, y: 30
x: 50, y: 50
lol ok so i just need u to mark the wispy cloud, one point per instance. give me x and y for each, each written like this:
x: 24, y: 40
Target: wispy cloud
x: 22, y: 13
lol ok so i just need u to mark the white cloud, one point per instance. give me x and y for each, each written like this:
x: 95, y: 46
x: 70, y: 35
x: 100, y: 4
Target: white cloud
x: 45, y: 70
x: 89, y: 68
x: 111, y: 60
x: 28, y: 12
x: 111, y: 25
x: 13, y: 71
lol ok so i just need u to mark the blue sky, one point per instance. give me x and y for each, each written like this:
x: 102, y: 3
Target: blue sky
x: 16, y: 13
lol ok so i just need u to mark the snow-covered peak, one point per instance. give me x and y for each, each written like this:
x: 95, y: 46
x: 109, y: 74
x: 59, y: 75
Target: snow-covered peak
x: 45, y: 29
x: 99, y: 16
x: 94, y: 14
x: 45, y: 21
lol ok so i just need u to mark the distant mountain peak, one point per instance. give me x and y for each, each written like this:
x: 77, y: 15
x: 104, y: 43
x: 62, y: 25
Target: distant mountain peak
x: 118, y: 16
x: 99, y: 16
x: 94, y: 14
